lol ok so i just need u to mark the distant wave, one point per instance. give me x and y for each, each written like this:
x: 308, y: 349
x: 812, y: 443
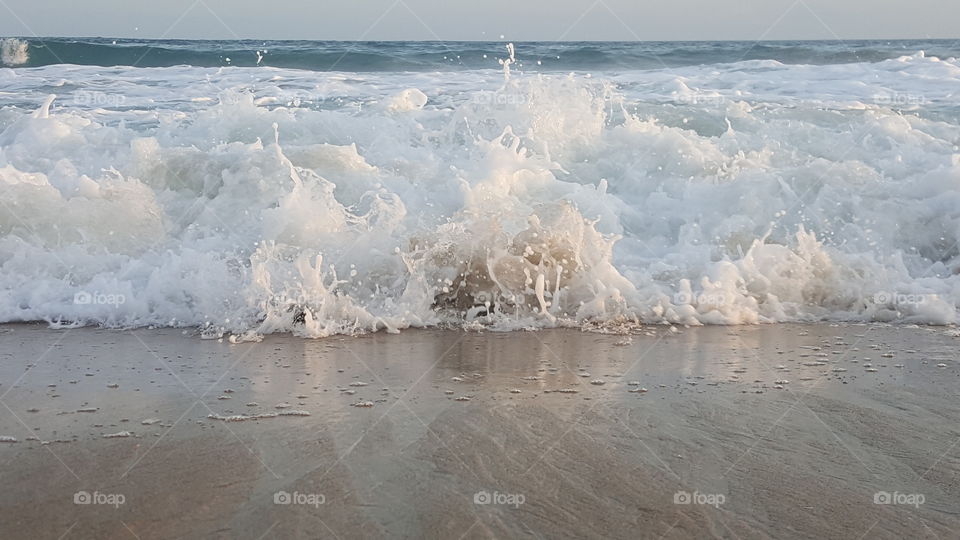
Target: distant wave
x: 441, y: 56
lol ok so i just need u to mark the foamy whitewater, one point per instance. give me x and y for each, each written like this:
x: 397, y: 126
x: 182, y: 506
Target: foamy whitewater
x: 494, y: 189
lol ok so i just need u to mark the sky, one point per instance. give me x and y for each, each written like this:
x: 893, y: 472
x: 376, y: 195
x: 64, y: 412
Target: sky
x: 516, y: 20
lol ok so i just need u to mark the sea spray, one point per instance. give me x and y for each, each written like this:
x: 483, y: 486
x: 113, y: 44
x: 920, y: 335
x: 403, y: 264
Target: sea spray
x: 259, y: 200
x: 14, y: 52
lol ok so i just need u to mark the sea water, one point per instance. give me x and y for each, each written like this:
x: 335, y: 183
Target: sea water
x: 327, y: 187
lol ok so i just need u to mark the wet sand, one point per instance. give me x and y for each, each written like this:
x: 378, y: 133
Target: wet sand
x: 788, y: 431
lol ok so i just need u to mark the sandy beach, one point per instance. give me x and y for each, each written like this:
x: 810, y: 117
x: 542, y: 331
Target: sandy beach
x: 786, y: 431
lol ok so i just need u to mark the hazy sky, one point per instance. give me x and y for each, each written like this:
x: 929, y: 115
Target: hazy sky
x: 484, y: 19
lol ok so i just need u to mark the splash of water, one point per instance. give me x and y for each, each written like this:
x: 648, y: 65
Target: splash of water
x: 14, y: 52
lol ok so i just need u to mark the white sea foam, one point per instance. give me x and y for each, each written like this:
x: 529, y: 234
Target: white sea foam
x: 355, y: 203
x: 13, y: 52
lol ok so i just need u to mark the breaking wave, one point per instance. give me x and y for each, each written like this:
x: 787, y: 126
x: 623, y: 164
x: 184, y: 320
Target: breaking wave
x: 253, y: 201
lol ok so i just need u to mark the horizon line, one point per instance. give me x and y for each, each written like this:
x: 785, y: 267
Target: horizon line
x: 838, y: 40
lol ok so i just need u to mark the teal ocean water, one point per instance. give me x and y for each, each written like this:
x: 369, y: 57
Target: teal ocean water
x: 433, y: 56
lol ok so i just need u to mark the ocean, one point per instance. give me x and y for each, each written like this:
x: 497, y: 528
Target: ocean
x: 252, y: 187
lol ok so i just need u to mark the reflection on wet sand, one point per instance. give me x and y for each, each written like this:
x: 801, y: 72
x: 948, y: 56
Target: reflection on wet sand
x: 747, y: 432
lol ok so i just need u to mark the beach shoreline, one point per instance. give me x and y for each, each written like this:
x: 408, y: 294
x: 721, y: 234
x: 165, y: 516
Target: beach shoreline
x: 785, y: 431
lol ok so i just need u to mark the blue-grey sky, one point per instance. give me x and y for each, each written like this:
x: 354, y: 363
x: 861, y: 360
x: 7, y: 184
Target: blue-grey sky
x: 484, y: 19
